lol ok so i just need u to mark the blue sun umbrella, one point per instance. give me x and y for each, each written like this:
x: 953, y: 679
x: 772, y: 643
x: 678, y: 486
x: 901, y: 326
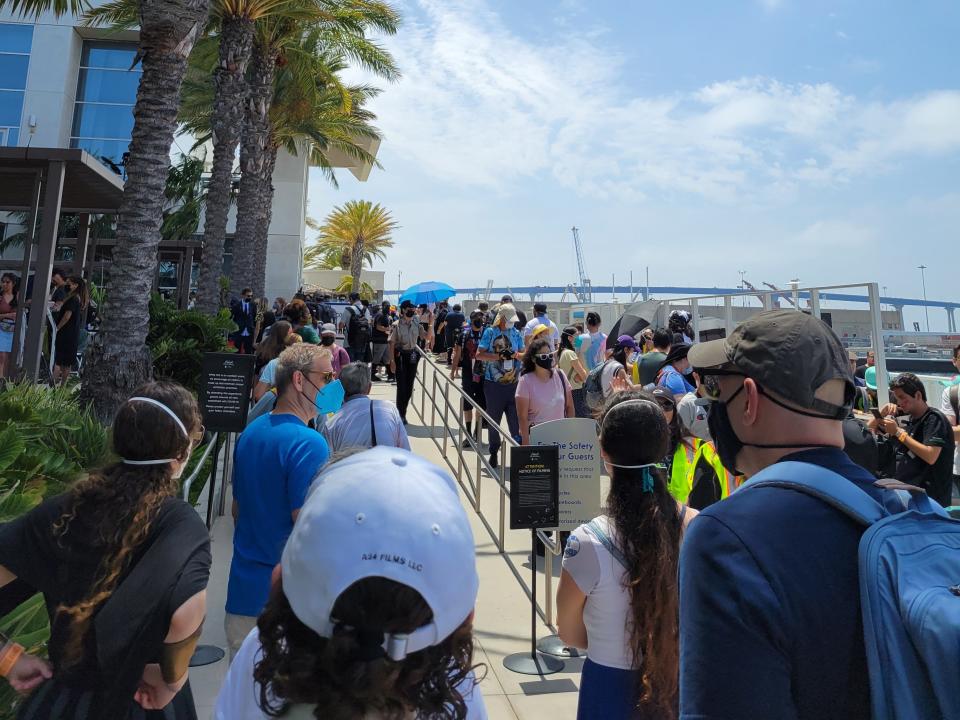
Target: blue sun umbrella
x: 428, y: 292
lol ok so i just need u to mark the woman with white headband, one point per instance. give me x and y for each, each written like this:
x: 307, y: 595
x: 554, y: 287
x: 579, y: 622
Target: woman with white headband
x: 618, y: 594
x: 123, y: 566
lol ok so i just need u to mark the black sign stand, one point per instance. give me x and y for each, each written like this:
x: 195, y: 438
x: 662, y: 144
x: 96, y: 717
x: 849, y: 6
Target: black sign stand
x: 534, y: 503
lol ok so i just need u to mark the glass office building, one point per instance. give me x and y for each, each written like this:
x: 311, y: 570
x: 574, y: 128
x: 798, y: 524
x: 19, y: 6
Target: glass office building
x: 106, y: 92
x: 15, y: 43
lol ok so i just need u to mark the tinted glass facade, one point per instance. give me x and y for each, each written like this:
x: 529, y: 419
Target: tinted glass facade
x: 106, y: 92
x: 15, y: 43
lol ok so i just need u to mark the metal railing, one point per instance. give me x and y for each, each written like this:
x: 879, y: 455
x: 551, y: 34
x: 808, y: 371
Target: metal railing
x: 440, y: 384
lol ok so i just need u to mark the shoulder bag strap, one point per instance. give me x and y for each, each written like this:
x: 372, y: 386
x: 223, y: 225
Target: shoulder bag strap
x: 608, y: 544
x: 373, y: 426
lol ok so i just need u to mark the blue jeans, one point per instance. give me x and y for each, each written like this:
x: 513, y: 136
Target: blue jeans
x: 501, y: 398
x: 608, y: 693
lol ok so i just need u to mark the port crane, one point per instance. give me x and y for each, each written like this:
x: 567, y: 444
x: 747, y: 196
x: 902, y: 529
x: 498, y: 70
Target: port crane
x: 584, y: 291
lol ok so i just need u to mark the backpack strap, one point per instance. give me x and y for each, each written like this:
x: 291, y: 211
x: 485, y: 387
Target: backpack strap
x: 826, y: 485
x: 608, y: 544
x: 373, y: 426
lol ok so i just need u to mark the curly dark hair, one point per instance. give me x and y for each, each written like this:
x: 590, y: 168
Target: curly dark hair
x: 297, y: 313
x: 539, y: 345
x: 648, y: 530
x: 120, y: 502
x: 300, y: 667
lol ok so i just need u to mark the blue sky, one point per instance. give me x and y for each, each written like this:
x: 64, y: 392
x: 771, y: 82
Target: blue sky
x: 818, y: 140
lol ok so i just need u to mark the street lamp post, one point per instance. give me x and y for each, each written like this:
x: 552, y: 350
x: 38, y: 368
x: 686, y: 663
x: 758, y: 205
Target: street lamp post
x: 923, y: 281
x: 742, y: 286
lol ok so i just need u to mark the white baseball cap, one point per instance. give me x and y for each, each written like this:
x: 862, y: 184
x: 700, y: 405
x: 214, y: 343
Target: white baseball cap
x: 693, y: 415
x: 383, y: 513
x: 328, y: 329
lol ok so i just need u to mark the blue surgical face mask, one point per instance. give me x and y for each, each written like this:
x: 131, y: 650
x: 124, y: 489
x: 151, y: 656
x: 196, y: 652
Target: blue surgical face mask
x: 329, y: 398
x: 688, y: 370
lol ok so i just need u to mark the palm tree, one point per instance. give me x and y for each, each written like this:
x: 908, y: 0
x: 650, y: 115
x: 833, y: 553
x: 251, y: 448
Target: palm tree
x: 340, y: 28
x: 118, y: 360
x: 232, y: 22
x: 358, y: 229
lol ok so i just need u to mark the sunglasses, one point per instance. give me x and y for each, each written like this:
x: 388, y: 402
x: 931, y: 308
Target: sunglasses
x: 710, y: 382
x: 544, y: 356
x: 665, y: 404
x: 327, y: 375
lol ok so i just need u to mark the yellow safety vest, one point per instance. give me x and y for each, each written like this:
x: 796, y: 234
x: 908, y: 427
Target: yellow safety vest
x: 685, y: 461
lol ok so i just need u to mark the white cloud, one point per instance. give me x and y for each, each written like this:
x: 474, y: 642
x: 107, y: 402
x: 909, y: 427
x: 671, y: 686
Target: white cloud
x: 482, y: 106
x: 841, y: 35
x: 771, y: 5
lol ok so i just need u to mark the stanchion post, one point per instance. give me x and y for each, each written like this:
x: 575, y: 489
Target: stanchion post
x: 534, y: 662
x: 213, y: 482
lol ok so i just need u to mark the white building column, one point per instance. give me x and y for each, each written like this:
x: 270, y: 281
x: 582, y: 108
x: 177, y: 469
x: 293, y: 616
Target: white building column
x: 287, y: 226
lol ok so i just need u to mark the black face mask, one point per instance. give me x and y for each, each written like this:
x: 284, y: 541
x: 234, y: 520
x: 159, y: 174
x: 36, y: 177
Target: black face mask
x: 727, y: 442
x: 545, y: 364
x: 478, y: 324
x: 408, y: 313
x: 328, y: 341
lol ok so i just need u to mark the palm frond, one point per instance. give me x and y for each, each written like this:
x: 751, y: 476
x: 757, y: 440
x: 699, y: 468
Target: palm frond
x: 36, y: 8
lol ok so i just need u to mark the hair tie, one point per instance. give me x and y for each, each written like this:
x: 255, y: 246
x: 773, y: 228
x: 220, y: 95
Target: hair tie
x: 369, y: 644
x: 646, y: 476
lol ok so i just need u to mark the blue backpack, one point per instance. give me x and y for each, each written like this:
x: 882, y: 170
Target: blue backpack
x: 909, y: 590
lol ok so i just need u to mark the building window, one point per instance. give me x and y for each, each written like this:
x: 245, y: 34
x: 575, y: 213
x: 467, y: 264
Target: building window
x: 15, y: 43
x: 106, y: 93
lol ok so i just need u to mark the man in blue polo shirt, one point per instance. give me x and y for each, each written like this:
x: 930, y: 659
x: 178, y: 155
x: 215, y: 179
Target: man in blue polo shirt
x: 276, y: 459
x: 770, y: 623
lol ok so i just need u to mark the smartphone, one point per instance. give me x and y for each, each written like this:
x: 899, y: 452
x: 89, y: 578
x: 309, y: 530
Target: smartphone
x: 876, y: 413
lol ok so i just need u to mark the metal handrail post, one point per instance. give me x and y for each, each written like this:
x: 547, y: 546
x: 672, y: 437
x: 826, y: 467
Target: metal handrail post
x: 185, y: 493
x: 446, y: 417
x: 433, y: 406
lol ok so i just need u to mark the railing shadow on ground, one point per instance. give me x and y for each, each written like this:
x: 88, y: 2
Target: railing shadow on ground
x: 470, y: 474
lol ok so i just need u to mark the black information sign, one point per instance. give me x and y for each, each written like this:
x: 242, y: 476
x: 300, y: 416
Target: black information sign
x: 534, y: 487
x: 225, y: 383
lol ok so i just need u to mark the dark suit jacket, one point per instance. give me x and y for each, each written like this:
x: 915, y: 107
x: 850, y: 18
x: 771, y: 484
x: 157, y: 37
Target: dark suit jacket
x: 244, y: 320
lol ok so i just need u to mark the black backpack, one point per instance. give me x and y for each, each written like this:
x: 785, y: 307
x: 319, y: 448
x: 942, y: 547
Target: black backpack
x: 593, y: 387
x: 326, y: 314
x: 358, y: 329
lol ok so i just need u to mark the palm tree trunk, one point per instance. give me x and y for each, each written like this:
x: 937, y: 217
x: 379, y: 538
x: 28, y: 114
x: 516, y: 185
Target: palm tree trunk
x: 226, y: 121
x: 119, y: 360
x: 356, y: 262
x: 265, y: 208
x: 257, y: 172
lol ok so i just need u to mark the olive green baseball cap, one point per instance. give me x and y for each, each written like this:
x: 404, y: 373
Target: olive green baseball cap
x: 788, y: 352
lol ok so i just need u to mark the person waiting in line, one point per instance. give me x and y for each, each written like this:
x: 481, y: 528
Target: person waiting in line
x: 123, y: 566
x: 648, y: 365
x: 275, y: 458
x: 425, y: 317
x: 614, y: 376
x: 465, y: 363
x: 543, y: 392
x: 300, y: 318
x: 770, y: 620
x: 924, y: 448
x: 618, y: 594
x: 380, y: 342
x: 540, y: 318
x: 340, y: 358
x: 70, y: 322
x: 356, y: 323
x: 440, y: 329
x: 501, y: 349
x: 405, y: 335
x: 679, y: 325
x: 270, y: 349
x: 266, y: 381
x: 454, y: 323
x: 862, y: 369
x: 265, y: 318
x: 279, y: 304
x: 596, y: 353
x: 569, y: 362
x: 675, y: 372
x: 484, y: 307
x: 697, y: 477
x: 646, y: 341
x: 350, y: 634
x: 9, y: 287
x: 243, y: 312
x: 363, y: 421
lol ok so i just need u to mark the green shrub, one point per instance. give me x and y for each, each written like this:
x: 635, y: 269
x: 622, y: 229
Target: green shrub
x: 178, y: 340
x: 47, y: 441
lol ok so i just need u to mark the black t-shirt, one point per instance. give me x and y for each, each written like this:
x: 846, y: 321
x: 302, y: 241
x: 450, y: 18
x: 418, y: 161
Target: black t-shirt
x: 455, y: 321
x: 933, y: 430
x: 71, y: 330
x: 64, y: 568
x: 381, y: 328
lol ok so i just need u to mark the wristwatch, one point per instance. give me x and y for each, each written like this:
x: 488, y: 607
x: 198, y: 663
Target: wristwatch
x: 901, y: 435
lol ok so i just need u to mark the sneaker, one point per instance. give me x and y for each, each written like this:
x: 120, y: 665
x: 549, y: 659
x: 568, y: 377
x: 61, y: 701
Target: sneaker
x: 494, y: 459
x: 466, y: 444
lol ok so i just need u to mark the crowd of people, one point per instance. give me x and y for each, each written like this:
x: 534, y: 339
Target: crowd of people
x: 705, y: 588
